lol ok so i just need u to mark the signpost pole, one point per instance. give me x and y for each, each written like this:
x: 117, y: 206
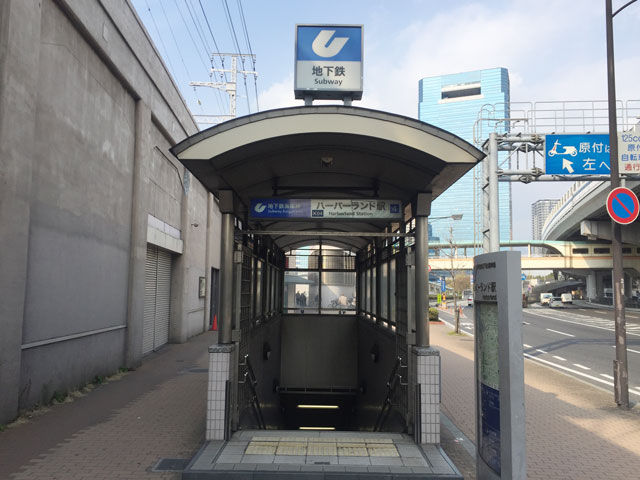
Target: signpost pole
x: 620, y: 369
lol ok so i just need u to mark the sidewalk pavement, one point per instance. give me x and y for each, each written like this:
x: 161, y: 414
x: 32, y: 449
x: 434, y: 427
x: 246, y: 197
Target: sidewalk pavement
x: 122, y: 428
x: 573, y: 430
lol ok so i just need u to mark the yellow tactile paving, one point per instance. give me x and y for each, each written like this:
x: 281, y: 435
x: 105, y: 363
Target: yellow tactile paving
x: 291, y: 448
x: 314, y: 448
x: 261, y: 449
x: 383, y: 451
x: 354, y: 451
x: 342, y: 446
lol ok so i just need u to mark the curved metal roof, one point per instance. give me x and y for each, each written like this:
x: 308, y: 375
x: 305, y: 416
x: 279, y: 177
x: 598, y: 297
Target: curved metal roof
x: 286, y: 152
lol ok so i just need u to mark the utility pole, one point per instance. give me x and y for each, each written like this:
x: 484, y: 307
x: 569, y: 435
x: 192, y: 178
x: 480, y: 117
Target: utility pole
x: 229, y: 87
x: 620, y: 367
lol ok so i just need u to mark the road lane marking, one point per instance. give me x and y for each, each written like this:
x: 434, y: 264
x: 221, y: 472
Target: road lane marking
x: 581, y: 366
x: 576, y: 372
x: 561, y: 333
x: 526, y: 346
x: 609, y: 328
x: 560, y: 358
x: 526, y: 323
x: 541, y: 351
x: 629, y: 350
x: 606, y: 376
x: 561, y: 367
x: 632, y: 316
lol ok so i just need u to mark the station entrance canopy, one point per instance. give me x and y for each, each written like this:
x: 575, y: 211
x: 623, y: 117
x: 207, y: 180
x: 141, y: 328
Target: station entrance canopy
x: 324, y: 152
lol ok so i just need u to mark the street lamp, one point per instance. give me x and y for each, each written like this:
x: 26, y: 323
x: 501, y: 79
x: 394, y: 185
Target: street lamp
x: 620, y: 368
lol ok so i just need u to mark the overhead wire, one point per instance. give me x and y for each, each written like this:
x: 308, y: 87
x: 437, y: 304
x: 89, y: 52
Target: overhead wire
x: 197, y: 49
x: 234, y: 37
x: 213, y: 38
x: 179, y: 50
x: 201, y: 33
x: 253, y: 58
x: 166, y: 55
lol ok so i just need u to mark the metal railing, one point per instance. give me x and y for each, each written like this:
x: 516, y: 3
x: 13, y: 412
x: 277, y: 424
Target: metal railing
x: 251, y: 380
x: 395, y: 379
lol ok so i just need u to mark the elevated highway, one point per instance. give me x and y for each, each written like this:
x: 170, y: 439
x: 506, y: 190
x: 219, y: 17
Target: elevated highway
x: 571, y: 256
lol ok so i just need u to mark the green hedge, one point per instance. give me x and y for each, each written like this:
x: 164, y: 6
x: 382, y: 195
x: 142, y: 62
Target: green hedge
x: 433, y: 314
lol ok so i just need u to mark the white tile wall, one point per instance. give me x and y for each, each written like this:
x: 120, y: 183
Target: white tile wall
x: 428, y: 371
x: 218, y: 375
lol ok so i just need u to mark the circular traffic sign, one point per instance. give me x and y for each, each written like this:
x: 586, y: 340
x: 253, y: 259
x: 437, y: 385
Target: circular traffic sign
x: 622, y: 205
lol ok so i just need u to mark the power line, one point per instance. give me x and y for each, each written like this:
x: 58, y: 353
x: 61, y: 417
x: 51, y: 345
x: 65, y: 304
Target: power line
x: 190, y: 36
x: 232, y: 29
x: 253, y: 58
x: 213, y: 38
x: 196, y: 21
x: 160, y: 38
x: 175, y: 41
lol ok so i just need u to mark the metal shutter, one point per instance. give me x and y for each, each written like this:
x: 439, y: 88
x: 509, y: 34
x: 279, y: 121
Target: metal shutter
x: 148, y: 324
x: 163, y: 299
x: 157, y: 299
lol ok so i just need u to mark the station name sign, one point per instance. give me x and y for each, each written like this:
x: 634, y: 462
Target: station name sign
x: 331, y: 208
x: 328, y: 62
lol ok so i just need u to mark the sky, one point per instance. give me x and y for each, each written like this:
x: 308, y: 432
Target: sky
x: 554, y: 50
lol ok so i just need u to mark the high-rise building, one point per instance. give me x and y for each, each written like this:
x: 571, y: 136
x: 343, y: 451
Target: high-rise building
x: 453, y: 102
x: 540, y: 210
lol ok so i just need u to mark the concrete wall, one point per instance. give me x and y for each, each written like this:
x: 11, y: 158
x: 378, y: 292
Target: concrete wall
x: 88, y: 112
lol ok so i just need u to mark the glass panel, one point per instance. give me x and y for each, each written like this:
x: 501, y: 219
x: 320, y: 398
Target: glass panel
x: 374, y: 279
x: 383, y: 291
x: 369, y: 290
x: 303, y: 259
x: 259, y: 277
x: 392, y: 290
x: 340, y: 262
x: 301, y: 292
x: 338, y: 292
x: 363, y: 290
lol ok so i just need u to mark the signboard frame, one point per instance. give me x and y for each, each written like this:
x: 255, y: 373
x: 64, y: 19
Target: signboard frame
x: 500, y: 413
x: 320, y: 93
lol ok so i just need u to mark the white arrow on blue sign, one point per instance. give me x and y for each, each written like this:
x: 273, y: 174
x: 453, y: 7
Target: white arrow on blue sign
x: 585, y: 154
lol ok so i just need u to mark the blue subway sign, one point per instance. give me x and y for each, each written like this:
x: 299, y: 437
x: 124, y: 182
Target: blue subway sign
x: 585, y: 154
x: 328, y: 61
x: 330, y: 208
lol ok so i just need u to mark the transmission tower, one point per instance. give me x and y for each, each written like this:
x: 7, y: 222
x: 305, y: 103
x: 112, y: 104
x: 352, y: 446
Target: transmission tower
x: 229, y: 87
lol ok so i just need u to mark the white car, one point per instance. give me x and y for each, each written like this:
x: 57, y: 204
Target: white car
x: 566, y: 298
x: 467, y: 296
x: 556, y: 302
x: 545, y: 297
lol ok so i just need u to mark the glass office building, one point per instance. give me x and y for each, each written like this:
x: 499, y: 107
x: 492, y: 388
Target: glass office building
x: 453, y: 102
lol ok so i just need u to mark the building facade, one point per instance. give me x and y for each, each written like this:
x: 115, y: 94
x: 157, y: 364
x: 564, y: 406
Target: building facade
x: 107, y: 243
x: 540, y: 210
x: 453, y: 102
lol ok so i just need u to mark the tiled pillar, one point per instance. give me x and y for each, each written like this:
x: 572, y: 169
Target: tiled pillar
x: 219, y: 362
x: 427, y: 363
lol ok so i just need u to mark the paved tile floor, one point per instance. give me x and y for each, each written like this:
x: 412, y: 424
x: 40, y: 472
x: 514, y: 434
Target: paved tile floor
x: 323, y: 452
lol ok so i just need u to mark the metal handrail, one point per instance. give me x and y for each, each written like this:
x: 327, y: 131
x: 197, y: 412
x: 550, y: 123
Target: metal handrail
x: 394, y: 379
x: 251, y: 380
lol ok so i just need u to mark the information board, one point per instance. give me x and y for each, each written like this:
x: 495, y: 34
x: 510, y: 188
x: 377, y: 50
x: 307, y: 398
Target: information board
x: 500, y: 418
x: 333, y: 208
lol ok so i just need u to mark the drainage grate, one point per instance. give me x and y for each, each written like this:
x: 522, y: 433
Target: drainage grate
x: 170, y: 465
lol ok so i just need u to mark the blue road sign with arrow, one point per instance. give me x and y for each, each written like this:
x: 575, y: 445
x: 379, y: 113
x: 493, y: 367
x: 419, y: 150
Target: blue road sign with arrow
x: 585, y: 154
